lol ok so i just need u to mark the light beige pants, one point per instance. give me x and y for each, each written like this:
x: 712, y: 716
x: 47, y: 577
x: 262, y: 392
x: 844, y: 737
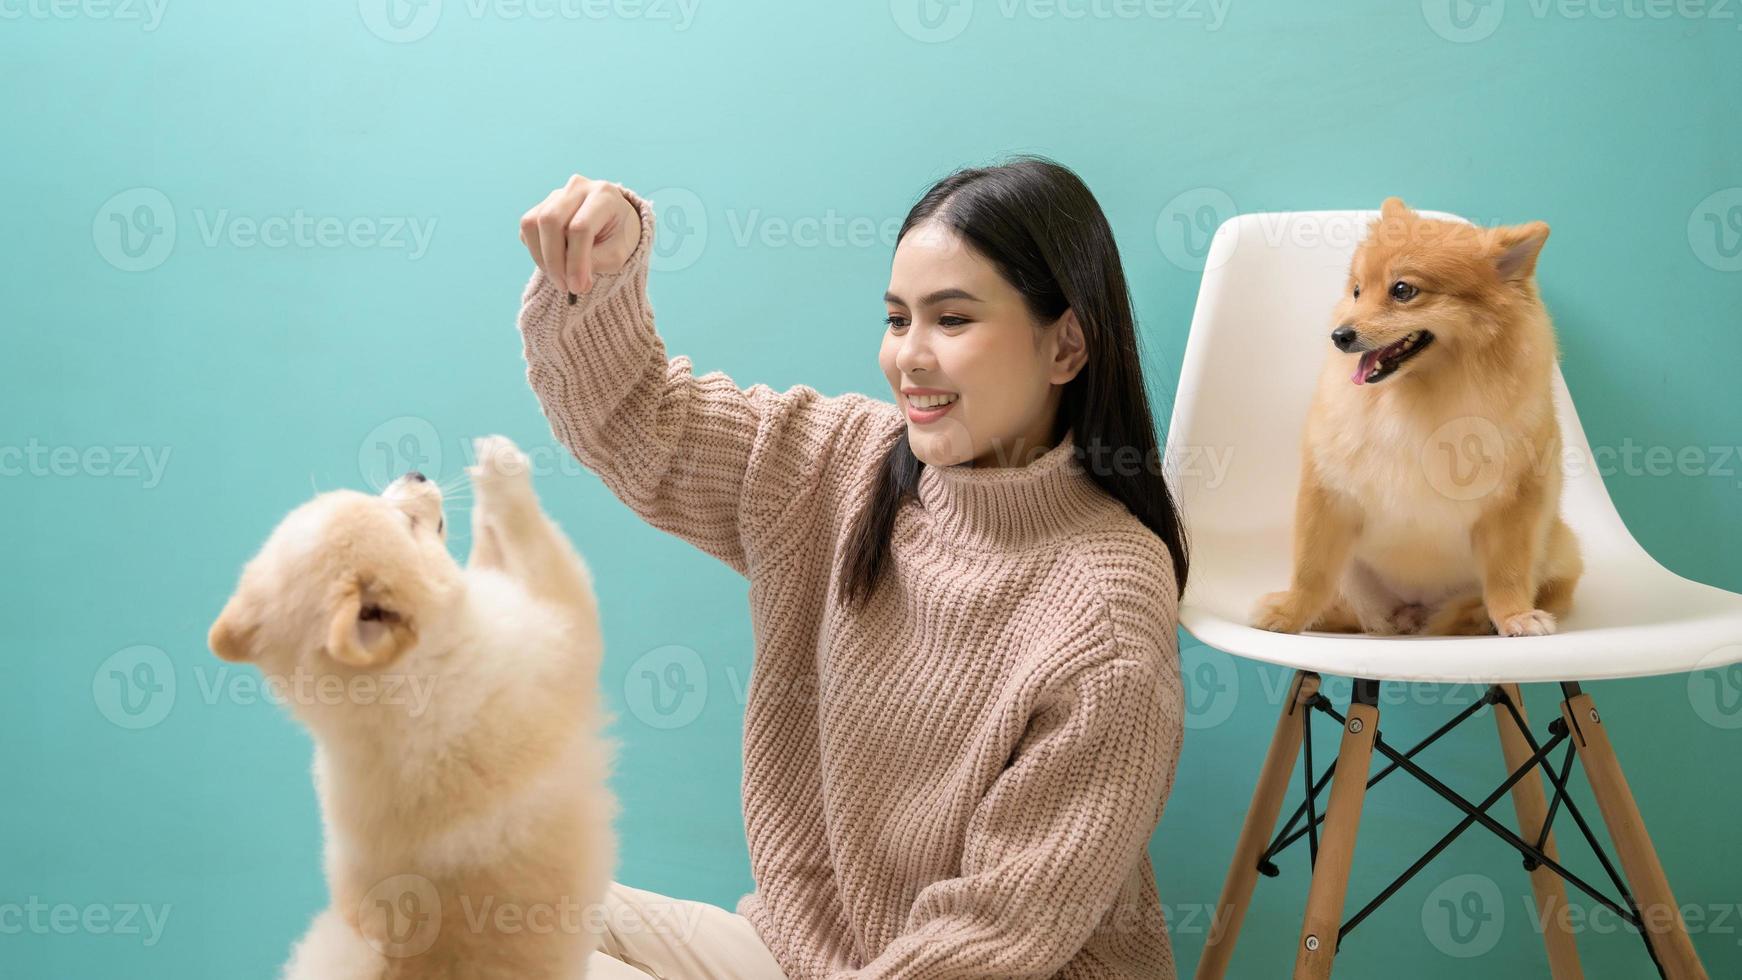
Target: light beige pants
x: 653, y: 935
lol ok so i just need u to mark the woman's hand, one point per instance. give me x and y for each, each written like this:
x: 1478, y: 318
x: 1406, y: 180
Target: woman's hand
x: 582, y: 228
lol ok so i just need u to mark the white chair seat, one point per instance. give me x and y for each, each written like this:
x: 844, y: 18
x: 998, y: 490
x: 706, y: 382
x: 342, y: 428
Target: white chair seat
x: 1258, y: 336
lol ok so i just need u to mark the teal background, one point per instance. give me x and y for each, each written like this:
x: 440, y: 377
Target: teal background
x: 266, y: 371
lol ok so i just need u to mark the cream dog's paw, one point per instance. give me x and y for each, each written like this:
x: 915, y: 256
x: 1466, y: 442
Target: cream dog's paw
x: 499, y: 461
x: 501, y: 477
x: 1536, y: 622
x: 1278, y: 612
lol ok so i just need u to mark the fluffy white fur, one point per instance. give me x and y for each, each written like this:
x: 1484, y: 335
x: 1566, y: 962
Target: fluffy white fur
x: 460, y: 757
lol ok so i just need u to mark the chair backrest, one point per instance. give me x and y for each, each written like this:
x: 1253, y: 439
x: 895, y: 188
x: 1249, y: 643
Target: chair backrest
x: 1258, y: 337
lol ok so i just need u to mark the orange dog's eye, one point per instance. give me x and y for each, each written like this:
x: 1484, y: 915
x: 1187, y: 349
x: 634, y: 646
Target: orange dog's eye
x: 1357, y: 291
x: 1402, y: 291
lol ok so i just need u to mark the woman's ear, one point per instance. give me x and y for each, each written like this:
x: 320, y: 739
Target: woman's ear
x: 234, y: 636
x: 366, y: 630
x: 1072, y: 350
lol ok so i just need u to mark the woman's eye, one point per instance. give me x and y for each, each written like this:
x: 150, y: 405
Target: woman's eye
x: 896, y: 321
x: 441, y: 525
x: 1402, y: 291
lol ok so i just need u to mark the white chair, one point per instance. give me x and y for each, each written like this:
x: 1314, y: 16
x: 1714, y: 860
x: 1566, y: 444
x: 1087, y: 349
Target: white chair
x: 1259, y: 333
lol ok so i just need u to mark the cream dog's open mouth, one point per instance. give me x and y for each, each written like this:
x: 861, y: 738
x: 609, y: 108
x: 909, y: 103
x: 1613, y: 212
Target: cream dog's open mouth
x: 1377, y: 365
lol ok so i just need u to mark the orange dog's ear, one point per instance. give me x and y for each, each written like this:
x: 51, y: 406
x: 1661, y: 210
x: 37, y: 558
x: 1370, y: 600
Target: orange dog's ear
x: 1395, y: 208
x: 366, y: 630
x: 1516, y: 248
x: 235, y: 633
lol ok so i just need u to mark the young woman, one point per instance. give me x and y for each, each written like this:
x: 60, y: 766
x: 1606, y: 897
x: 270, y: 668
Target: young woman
x: 965, y: 703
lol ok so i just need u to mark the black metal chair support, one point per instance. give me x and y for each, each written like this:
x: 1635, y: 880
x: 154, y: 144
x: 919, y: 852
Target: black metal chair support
x: 1367, y: 692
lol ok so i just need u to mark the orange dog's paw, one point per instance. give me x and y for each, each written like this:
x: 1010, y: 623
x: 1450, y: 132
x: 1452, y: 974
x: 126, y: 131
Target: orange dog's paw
x: 1409, y: 617
x: 1536, y: 622
x: 1278, y: 612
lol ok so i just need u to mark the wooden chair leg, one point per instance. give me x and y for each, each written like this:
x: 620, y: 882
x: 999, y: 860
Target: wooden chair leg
x: 1279, y: 761
x: 1645, y: 878
x: 1532, y: 809
x: 1324, y: 911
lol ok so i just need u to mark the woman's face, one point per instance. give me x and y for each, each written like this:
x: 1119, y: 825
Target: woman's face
x: 957, y: 330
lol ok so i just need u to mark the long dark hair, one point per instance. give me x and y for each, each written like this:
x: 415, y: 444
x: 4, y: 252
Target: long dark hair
x: 1038, y: 224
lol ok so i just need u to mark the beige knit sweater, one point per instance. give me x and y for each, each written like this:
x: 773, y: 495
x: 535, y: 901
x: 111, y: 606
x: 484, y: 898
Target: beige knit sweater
x: 960, y: 780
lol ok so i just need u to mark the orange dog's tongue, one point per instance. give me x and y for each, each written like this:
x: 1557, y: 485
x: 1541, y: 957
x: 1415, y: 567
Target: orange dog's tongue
x: 1365, y: 367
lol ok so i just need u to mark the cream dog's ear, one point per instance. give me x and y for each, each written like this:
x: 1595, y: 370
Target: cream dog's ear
x: 366, y: 630
x: 234, y: 635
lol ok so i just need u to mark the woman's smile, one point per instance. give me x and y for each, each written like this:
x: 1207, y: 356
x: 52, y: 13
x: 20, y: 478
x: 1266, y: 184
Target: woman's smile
x: 928, y: 404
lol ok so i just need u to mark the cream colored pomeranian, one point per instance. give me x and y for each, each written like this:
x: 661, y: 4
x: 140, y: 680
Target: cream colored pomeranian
x: 1431, y: 476
x: 460, y: 758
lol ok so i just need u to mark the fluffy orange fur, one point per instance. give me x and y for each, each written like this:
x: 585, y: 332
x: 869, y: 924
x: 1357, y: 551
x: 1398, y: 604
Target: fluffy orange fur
x: 1429, y: 498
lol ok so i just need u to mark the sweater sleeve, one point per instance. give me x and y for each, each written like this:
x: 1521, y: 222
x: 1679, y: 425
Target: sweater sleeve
x: 1058, y: 833
x: 695, y: 456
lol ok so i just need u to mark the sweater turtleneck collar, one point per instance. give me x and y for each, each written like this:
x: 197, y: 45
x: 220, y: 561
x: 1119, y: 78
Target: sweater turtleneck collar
x: 991, y: 508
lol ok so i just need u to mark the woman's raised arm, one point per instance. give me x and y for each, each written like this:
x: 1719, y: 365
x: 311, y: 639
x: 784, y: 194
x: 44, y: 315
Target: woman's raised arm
x: 695, y: 456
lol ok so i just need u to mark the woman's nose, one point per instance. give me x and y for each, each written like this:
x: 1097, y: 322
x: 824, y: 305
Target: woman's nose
x: 915, y: 352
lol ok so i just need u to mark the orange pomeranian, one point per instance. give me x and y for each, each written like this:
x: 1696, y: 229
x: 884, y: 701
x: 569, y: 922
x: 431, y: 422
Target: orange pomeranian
x: 1430, y: 469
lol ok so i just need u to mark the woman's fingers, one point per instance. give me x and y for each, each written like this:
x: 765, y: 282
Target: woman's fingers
x: 578, y: 230
x: 553, y: 222
x: 529, y: 234
x: 584, y: 231
x: 548, y: 234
